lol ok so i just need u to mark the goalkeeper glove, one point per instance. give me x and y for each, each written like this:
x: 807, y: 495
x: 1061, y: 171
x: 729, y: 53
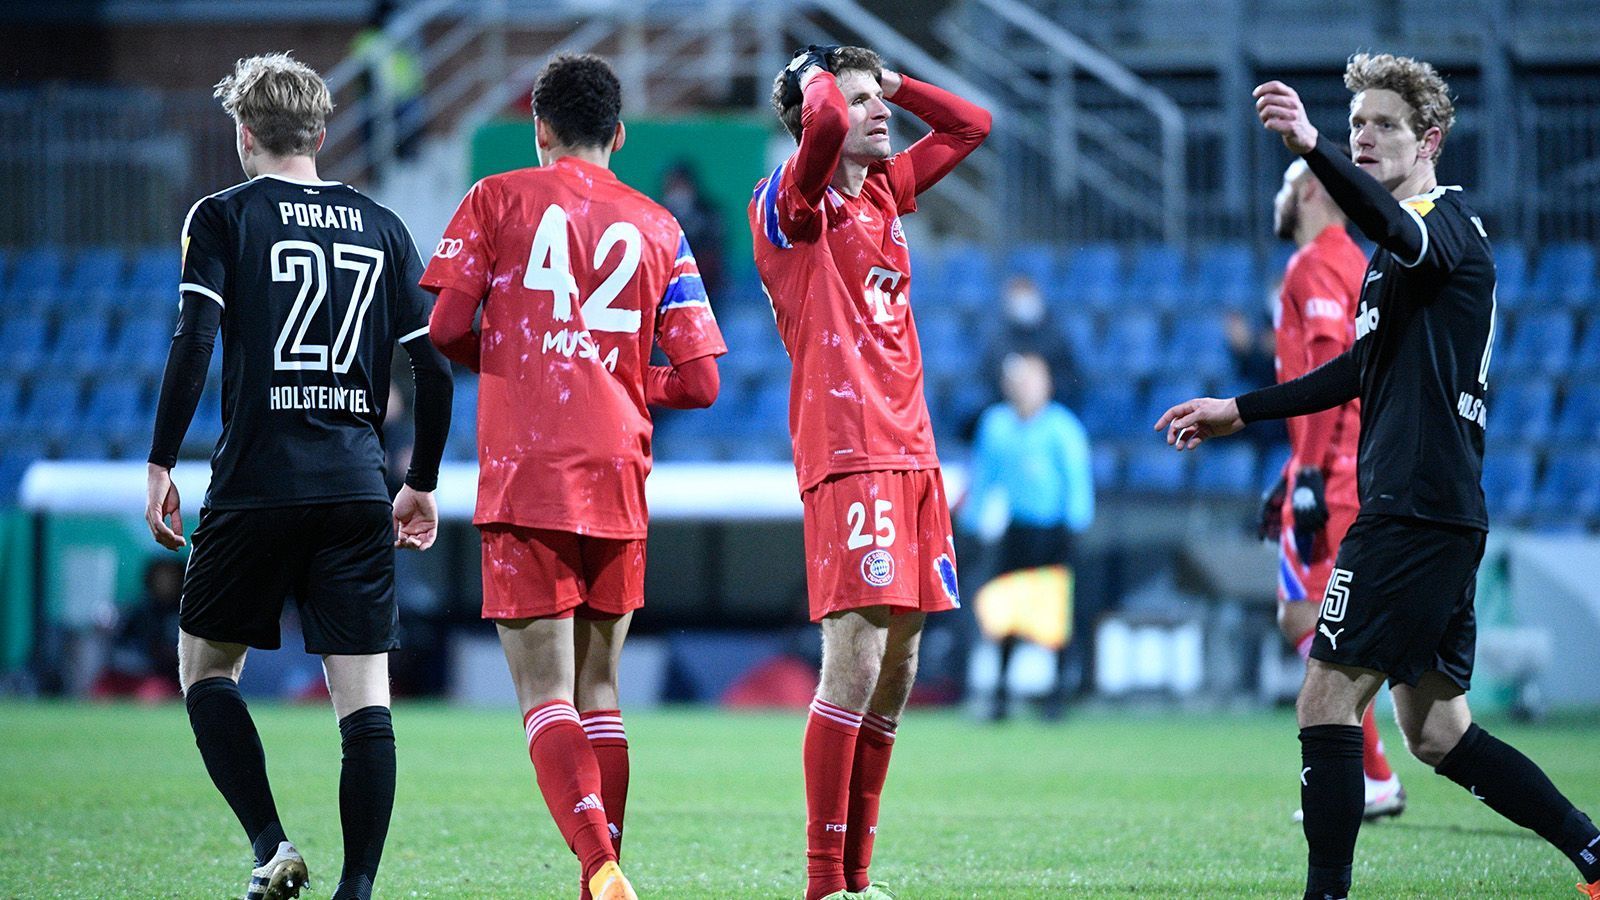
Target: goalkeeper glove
x: 1310, y: 510
x: 819, y: 55
x: 1270, y: 528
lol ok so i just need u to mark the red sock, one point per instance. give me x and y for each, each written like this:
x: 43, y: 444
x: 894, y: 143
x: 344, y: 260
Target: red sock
x: 828, y: 751
x: 569, y: 778
x: 867, y: 774
x: 1373, y: 762
x: 610, y: 743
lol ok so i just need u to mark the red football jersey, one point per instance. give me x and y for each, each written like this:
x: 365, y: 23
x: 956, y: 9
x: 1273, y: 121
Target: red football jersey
x: 839, y: 277
x: 1321, y: 287
x: 579, y: 274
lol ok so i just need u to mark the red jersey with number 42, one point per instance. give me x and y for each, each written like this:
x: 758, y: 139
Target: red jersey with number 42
x: 579, y: 274
x: 839, y: 277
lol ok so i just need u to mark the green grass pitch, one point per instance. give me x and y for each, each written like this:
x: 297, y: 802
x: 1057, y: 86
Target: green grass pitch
x: 112, y: 801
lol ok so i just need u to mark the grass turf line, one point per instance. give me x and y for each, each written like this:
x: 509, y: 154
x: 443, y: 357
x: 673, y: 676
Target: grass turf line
x: 112, y: 801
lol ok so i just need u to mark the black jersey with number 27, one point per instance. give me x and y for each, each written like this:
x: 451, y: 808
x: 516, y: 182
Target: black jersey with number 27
x: 317, y: 283
x: 1424, y: 338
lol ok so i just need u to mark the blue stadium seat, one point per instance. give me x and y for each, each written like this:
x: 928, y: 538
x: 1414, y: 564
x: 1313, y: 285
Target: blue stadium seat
x: 1228, y: 469
x: 946, y: 342
x: 462, y: 444
x: 967, y: 276
x: 1570, y: 487
x: 10, y: 404
x: 13, y: 465
x: 142, y: 343
x: 1198, y: 346
x: 206, y: 427
x: 1156, y: 278
x: 1040, y: 262
x: 51, y: 411
x: 1225, y: 276
x: 1579, y: 420
x: 1109, y: 408
x: 80, y: 346
x: 22, y: 343
x: 1093, y: 276
x: 1156, y: 468
x: 1511, y: 274
x: 1521, y: 412
x: 96, y: 271
x: 1106, y: 461
x: 1564, y: 275
x: 35, y: 277
x: 1540, y: 341
x: 1586, y: 358
x: 155, y: 270
x: 117, y: 410
x: 1132, y: 346
x: 1508, y: 483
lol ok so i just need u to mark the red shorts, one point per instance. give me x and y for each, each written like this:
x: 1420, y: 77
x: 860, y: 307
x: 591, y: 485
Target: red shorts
x: 1297, y: 579
x: 879, y: 539
x: 537, y: 573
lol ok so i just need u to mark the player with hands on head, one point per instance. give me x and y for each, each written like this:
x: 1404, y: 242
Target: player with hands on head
x: 1399, y: 601
x: 297, y: 502
x: 578, y: 277
x: 832, y: 255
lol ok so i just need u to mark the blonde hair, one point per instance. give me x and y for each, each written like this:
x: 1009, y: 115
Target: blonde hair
x: 283, y: 101
x: 1417, y: 83
x: 842, y: 59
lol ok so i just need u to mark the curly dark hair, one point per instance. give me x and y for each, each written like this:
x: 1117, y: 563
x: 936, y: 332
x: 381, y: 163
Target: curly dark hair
x: 844, y: 59
x: 1415, y: 81
x: 579, y: 97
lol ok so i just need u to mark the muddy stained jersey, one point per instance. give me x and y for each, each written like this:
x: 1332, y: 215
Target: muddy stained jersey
x: 1321, y: 287
x: 579, y: 274
x: 316, y: 282
x: 839, y: 276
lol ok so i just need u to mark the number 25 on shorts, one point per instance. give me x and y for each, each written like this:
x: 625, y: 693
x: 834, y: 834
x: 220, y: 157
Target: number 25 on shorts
x: 856, y: 518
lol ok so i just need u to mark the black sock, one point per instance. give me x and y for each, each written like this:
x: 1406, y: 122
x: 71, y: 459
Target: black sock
x: 366, y: 797
x: 1332, y: 796
x: 226, y: 736
x: 1513, y: 786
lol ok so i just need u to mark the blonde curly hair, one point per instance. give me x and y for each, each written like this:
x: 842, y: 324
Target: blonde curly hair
x: 1417, y: 83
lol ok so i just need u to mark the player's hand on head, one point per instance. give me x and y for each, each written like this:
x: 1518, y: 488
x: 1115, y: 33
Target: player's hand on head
x: 1193, y: 421
x: 890, y: 82
x: 1280, y: 110
x: 807, y: 58
x: 416, y: 519
x: 161, y: 501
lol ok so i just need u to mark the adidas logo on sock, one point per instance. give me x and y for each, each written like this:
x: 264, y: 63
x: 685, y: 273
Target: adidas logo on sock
x: 589, y: 801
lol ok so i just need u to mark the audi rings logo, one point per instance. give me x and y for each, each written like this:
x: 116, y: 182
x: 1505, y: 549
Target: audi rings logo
x: 448, y: 248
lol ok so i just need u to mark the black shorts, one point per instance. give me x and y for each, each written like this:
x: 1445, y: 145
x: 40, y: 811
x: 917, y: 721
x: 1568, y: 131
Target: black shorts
x: 1031, y: 546
x: 1399, y: 600
x: 336, y: 559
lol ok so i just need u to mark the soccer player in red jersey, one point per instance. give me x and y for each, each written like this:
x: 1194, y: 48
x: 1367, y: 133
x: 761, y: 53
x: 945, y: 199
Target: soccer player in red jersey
x: 833, y: 258
x: 577, y: 275
x: 1315, y: 322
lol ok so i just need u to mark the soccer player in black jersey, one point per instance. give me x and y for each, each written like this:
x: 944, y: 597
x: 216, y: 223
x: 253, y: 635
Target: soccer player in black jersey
x: 1399, y: 602
x: 311, y: 284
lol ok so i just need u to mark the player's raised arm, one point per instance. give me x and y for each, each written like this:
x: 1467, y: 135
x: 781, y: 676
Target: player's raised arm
x: 1193, y: 421
x: 823, y: 124
x: 959, y: 126
x: 1367, y: 201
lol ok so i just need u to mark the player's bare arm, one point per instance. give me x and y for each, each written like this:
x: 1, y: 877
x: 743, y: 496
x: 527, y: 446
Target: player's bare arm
x: 416, y: 519
x: 1193, y: 422
x: 161, y: 503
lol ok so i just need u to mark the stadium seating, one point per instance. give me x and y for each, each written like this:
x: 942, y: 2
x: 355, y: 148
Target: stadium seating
x: 89, y: 331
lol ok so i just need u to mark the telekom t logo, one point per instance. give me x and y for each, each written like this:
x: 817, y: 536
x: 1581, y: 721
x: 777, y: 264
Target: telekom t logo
x: 880, y: 282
